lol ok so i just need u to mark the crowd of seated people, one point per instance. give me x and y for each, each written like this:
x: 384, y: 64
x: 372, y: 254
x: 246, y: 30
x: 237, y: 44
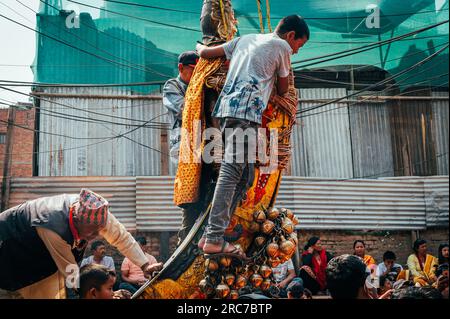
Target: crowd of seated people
x: 320, y: 274
x: 358, y: 276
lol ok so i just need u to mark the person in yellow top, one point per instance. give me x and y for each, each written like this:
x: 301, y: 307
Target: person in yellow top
x: 359, y: 249
x: 421, y: 265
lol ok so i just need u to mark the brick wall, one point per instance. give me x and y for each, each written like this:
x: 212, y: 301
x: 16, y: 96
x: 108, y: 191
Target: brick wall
x: 152, y: 247
x: 22, y: 159
x: 335, y: 241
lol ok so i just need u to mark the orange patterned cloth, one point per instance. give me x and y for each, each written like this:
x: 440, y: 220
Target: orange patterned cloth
x: 187, y: 180
x: 369, y: 260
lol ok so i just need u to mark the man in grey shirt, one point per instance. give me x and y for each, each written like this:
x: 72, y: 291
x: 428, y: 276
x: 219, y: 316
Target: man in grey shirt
x: 173, y: 97
x: 99, y: 256
x: 257, y: 61
x: 174, y: 92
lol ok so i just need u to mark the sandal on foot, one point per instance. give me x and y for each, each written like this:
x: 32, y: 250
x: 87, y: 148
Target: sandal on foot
x: 235, y: 253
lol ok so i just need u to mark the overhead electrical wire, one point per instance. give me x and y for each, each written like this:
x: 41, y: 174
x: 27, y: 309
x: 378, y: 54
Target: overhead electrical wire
x: 80, y: 49
x: 18, y: 13
x: 363, y: 67
x: 68, y: 85
x: 84, y: 138
x: 91, y: 119
x: 95, y: 46
x: 256, y: 17
x: 160, y: 52
x: 381, y: 82
x: 72, y: 107
x: 293, y: 63
x: 9, y: 83
x: 308, y: 48
x: 374, y: 94
x: 375, y: 43
x: 369, y: 46
x: 137, y: 18
x: 336, y: 55
x: 369, y: 97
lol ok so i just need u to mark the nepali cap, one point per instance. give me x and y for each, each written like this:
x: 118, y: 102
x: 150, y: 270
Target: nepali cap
x: 93, y: 208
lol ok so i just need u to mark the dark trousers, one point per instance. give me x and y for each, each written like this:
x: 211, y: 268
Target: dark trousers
x: 193, y: 210
x: 236, y: 175
x: 309, y: 283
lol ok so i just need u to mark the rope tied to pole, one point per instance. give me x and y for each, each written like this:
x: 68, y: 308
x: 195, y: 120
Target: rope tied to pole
x: 261, y: 23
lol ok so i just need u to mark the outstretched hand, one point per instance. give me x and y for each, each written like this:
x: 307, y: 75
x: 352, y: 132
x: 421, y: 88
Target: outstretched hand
x: 150, y: 269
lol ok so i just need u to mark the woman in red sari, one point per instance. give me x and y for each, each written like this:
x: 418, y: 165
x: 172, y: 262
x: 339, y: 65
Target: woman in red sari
x: 315, y: 260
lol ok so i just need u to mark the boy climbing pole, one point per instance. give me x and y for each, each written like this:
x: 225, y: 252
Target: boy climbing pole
x: 257, y: 61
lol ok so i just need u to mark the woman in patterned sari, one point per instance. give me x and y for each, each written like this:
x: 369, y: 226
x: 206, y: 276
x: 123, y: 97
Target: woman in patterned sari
x: 421, y: 265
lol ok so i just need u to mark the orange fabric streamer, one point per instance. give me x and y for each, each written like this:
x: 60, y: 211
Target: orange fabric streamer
x: 187, y: 180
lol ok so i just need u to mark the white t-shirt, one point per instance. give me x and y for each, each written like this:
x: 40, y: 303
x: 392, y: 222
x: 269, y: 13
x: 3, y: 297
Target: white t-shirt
x: 107, y: 261
x: 381, y: 269
x: 281, y: 271
x: 255, y: 62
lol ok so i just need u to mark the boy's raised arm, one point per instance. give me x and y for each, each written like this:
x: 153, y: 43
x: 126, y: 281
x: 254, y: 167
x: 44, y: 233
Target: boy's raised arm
x: 210, y: 52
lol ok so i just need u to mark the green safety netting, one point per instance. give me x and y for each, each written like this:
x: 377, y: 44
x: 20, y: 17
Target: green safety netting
x: 115, y: 42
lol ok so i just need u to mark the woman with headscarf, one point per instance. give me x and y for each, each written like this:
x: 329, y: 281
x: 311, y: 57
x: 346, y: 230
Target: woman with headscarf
x: 421, y: 265
x: 315, y: 261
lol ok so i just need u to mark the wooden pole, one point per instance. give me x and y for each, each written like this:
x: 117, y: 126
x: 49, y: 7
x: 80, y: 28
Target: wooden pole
x: 6, y: 180
x: 165, y: 157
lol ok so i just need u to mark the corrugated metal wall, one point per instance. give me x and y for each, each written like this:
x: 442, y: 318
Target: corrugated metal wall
x: 119, y: 191
x: 145, y: 203
x: 371, y: 139
x: 136, y: 153
x: 414, y: 151
x: 378, y: 139
x: 436, y: 200
x: 440, y: 132
x: 340, y: 141
x: 436, y: 196
x: 155, y: 210
x: 322, y: 144
x: 354, y: 204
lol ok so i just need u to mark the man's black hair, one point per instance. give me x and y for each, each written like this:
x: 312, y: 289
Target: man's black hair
x: 296, y: 289
x: 413, y: 292
x: 389, y: 255
x: 383, y: 279
x: 418, y: 243
x: 346, y: 274
x: 97, y: 244
x: 441, y: 269
x: 293, y: 23
x: 93, y: 276
x: 141, y: 240
x: 311, y: 242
